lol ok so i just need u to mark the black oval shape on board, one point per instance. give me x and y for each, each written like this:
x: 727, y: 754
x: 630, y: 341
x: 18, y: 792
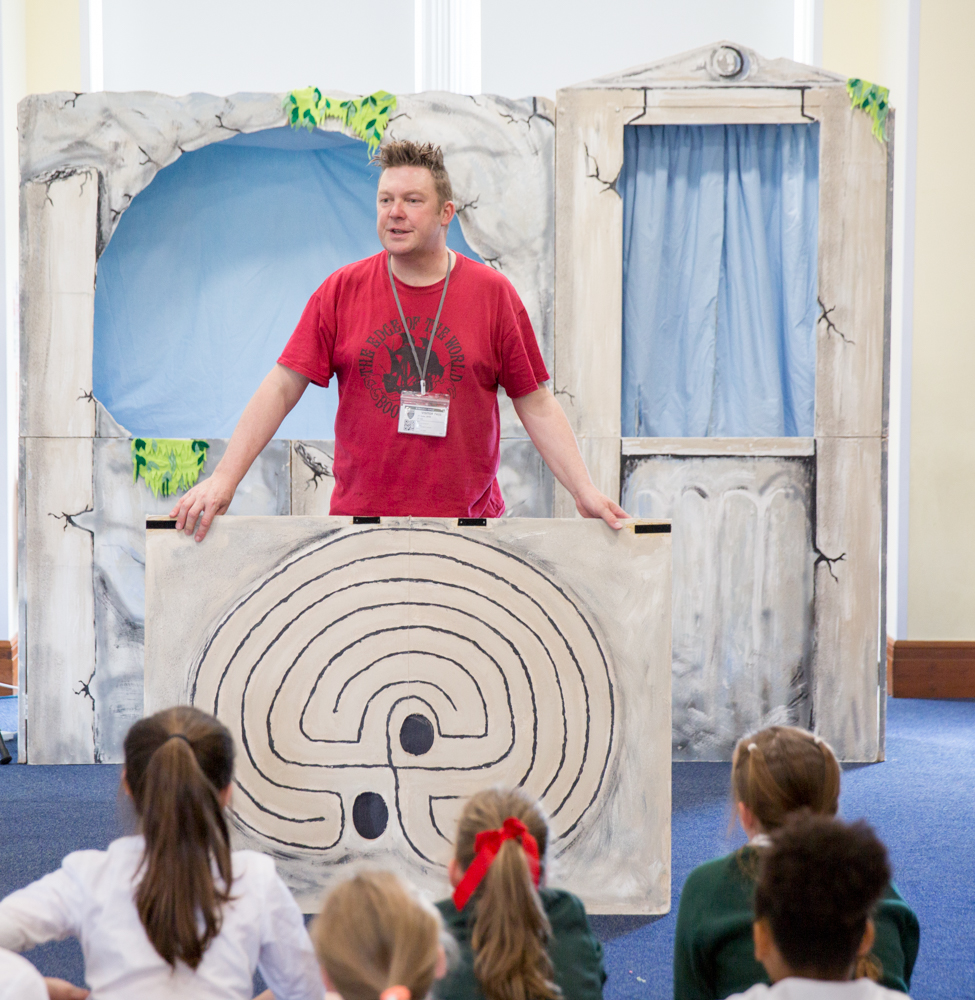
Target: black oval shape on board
x: 369, y: 815
x: 416, y: 735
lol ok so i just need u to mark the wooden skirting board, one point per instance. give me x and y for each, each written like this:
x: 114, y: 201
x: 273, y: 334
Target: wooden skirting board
x: 930, y: 669
x: 8, y: 665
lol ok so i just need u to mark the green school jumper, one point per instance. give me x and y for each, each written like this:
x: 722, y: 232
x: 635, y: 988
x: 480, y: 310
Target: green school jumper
x: 714, y: 956
x: 576, y: 954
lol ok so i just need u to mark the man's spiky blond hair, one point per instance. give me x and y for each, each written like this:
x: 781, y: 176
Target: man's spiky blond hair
x: 405, y: 153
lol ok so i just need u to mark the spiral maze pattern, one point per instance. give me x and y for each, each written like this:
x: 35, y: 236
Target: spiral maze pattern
x: 378, y: 678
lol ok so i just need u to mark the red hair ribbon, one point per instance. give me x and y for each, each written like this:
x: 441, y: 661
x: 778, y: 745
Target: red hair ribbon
x: 486, y: 847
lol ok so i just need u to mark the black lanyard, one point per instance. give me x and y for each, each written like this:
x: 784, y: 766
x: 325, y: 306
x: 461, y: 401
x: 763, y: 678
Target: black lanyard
x: 406, y: 329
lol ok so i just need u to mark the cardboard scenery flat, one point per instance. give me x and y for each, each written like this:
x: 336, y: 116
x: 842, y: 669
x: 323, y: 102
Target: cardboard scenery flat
x: 778, y: 544
x: 84, y: 159
x: 375, y: 675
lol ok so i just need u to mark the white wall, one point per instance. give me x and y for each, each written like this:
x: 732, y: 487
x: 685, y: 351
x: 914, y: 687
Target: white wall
x: 533, y: 48
x: 529, y: 48
x: 13, y: 82
x: 225, y: 46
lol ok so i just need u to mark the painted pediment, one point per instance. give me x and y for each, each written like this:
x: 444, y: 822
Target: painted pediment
x: 722, y: 64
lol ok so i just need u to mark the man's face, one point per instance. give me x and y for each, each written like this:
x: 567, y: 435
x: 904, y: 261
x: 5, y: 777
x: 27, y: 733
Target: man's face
x: 408, y: 214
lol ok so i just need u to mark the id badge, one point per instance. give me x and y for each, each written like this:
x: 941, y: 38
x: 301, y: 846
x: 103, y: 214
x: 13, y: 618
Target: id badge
x: 426, y: 414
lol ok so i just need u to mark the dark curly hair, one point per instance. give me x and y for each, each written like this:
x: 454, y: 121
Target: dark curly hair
x: 404, y: 153
x: 817, y: 885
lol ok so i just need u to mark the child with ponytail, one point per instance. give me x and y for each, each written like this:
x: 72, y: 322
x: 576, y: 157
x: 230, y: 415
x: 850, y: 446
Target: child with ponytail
x: 172, y: 912
x: 775, y: 773
x: 517, y: 940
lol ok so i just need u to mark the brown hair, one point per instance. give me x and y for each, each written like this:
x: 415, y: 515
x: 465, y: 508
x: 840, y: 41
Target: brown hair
x: 373, y: 933
x: 511, y: 930
x: 781, y: 769
x: 404, y: 153
x: 176, y: 764
x: 817, y: 885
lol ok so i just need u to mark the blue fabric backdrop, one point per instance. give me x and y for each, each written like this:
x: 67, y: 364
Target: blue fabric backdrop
x: 209, y: 269
x: 720, y: 235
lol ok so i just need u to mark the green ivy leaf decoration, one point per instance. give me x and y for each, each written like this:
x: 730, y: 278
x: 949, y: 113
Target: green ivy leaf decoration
x: 872, y: 99
x: 168, y: 465
x: 367, y: 117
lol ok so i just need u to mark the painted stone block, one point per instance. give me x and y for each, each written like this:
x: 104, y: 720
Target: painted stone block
x: 57, y: 304
x: 57, y: 615
x: 376, y: 675
x: 743, y: 591
x: 85, y: 649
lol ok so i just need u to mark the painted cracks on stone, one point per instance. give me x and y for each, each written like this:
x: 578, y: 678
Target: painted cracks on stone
x: 467, y: 204
x: 831, y: 327
x: 512, y: 120
x: 116, y: 213
x: 61, y: 174
x: 69, y: 519
x: 84, y: 687
x: 828, y: 561
x: 148, y: 159
x: 565, y: 392
x: 594, y: 173
x: 84, y: 690
x: 71, y: 100
x: 318, y: 469
x: 228, y: 128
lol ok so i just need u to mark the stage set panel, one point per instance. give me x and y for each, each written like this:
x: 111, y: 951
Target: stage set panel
x: 675, y: 404
x: 375, y: 675
x: 98, y: 171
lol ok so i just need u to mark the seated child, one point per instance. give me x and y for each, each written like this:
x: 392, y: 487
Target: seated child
x: 19, y: 980
x: 517, y: 940
x: 376, y: 940
x: 172, y: 912
x: 774, y: 772
x: 817, y: 886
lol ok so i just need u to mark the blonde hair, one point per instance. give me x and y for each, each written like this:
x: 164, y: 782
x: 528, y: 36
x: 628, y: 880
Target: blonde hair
x: 511, y: 930
x: 375, y: 932
x: 404, y: 153
x: 781, y: 769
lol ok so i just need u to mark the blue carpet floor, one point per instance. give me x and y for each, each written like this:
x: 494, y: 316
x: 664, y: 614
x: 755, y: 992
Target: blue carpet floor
x: 921, y: 801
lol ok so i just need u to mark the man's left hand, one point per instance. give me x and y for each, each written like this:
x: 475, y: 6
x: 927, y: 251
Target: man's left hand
x: 591, y: 503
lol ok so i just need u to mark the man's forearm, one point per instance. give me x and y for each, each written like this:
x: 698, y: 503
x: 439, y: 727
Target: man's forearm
x: 552, y: 435
x: 275, y: 398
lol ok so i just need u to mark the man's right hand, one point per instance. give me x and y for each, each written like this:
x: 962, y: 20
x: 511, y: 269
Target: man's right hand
x: 204, y: 502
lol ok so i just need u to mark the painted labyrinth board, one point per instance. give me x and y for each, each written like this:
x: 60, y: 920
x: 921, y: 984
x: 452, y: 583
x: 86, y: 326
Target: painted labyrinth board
x: 374, y: 676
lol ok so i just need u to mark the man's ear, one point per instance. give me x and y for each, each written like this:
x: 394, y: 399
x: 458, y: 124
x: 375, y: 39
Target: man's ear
x: 441, y: 968
x: 869, y: 936
x: 124, y: 783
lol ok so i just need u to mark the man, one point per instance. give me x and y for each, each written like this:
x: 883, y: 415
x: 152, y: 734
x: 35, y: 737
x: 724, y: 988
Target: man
x: 420, y: 339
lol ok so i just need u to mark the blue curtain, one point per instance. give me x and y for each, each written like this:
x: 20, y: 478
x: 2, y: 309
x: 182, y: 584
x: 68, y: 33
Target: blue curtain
x: 720, y: 236
x: 209, y: 269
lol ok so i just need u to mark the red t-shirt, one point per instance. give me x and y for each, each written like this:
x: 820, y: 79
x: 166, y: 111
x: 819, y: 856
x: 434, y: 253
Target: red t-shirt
x: 351, y: 328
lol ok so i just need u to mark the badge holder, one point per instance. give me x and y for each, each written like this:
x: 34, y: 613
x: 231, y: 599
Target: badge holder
x: 423, y: 413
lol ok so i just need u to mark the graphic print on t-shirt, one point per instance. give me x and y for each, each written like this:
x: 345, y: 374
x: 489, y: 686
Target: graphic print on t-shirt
x: 387, y: 367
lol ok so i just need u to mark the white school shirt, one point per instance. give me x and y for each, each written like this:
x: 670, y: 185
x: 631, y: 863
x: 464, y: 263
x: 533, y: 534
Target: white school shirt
x: 794, y: 988
x: 92, y: 897
x: 19, y: 980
